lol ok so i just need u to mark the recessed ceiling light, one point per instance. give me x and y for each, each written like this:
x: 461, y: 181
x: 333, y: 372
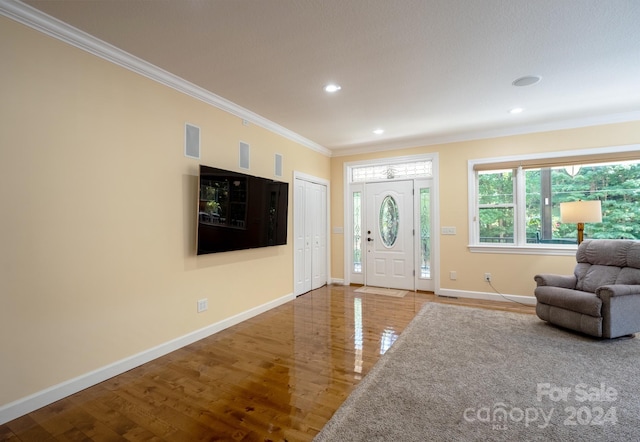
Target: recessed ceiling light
x: 378, y: 131
x: 516, y: 110
x: 526, y: 80
x: 332, y: 88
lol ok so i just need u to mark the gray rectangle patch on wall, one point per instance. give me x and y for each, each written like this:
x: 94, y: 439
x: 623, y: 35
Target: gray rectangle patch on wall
x: 278, y: 165
x: 191, y: 141
x: 244, y: 155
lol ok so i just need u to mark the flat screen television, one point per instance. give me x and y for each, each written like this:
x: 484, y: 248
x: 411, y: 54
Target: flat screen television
x: 238, y: 211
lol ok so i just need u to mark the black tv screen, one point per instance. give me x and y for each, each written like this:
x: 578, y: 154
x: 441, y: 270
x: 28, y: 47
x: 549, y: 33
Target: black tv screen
x: 238, y: 211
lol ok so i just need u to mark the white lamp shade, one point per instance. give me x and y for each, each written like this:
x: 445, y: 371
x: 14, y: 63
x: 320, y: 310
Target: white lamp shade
x: 581, y: 212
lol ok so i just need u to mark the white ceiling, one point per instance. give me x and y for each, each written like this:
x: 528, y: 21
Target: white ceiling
x: 423, y: 70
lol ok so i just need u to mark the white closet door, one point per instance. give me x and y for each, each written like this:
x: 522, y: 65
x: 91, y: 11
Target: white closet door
x: 310, y: 236
x: 301, y: 246
x: 317, y: 222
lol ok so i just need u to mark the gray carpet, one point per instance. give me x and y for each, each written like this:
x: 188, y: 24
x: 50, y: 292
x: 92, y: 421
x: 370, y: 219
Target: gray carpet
x: 464, y: 374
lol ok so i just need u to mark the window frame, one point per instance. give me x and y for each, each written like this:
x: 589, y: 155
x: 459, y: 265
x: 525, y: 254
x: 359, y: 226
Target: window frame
x: 511, y: 205
x: 550, y: 159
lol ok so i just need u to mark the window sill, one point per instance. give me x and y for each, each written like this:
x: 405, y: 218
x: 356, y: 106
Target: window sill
x: 529, y: 249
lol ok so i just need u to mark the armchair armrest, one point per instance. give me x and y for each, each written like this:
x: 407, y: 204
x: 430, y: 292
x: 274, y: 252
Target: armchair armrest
x: 564, y: 281
x: 608, y: 291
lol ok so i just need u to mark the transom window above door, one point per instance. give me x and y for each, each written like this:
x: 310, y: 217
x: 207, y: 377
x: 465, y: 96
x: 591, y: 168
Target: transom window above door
x: 392, y: 171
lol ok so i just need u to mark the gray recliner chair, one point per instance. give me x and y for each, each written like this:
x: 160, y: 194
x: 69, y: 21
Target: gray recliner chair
x: 602, y: 297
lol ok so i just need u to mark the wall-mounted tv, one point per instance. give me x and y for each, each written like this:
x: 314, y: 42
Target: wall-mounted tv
x: 238, y: 211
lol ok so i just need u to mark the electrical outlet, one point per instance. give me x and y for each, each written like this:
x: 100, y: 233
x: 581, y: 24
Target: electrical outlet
x: 203, y: 305
x: 487, y: 277
x: 453, y: 275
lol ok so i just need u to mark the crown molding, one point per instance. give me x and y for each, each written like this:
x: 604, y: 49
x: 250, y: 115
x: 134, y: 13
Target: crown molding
x: 35, y: 19
x: 408, y: 143
x: 57, y: 29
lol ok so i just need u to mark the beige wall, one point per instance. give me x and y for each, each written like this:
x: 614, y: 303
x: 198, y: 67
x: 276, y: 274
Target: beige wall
x: 97, y: 238
x: 511, y: 274
x: 98, y: 213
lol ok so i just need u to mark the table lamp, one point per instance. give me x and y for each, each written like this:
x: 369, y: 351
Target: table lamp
x: 581, y: 212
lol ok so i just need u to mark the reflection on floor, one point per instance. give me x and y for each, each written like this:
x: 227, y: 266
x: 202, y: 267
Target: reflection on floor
x: 278, y: 376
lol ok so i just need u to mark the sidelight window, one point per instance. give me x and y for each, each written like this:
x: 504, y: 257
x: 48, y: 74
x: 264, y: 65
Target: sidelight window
x: 357, y: 232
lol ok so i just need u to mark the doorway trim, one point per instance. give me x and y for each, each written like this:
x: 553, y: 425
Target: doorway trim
x: 348, y: 209
x: 317, y: 180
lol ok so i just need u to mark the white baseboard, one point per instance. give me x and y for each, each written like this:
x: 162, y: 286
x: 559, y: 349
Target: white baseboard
x: 528, y: 300
x: 337, y: 281
x: 49, y: 395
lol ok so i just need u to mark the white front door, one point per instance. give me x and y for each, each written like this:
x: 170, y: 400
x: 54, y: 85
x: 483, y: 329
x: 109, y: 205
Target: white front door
x: 388, y: 235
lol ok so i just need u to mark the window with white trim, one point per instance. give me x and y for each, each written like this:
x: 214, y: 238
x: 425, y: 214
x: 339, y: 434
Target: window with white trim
x: 515, y: 202
x: 393, y: 171
x: 357, y: 232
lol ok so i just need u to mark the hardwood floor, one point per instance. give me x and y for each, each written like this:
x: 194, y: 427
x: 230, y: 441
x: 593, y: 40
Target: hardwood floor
x: 277, y: 377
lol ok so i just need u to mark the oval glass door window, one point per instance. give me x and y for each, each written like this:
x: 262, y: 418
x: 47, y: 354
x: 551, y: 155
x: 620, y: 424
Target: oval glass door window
x: 388, y: 221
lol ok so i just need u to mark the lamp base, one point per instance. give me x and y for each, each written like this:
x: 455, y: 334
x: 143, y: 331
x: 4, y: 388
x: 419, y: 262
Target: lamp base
x: 580, y: 233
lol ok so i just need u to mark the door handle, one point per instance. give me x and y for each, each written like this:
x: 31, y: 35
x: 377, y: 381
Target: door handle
x: 369, y: 239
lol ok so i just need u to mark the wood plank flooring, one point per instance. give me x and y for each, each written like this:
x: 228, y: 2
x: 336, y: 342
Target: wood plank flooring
x: 277, y: 377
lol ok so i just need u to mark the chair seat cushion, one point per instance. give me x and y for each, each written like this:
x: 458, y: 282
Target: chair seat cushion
x: 575, y: 300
